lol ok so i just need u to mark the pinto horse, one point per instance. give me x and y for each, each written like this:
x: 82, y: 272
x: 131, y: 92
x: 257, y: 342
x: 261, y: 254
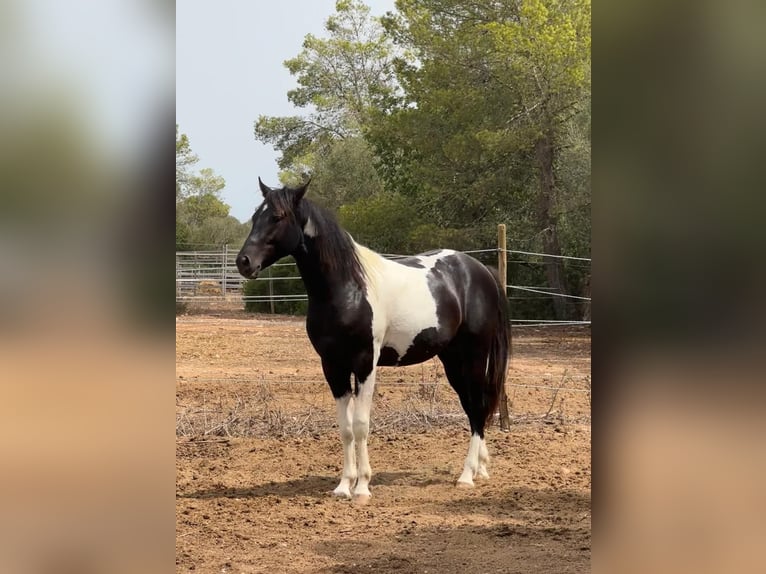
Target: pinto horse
x: 365, y: 310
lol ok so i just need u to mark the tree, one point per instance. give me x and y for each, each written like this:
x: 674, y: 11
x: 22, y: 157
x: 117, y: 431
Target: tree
x: 348, y: 73
x: 491, y: 90
x: 431, y: 125
x: 342, y: 79
x: 197, y: 209
x: 548, y: 51
x: 202, y: 218
x: 184, y: 160
x: 345, y: 173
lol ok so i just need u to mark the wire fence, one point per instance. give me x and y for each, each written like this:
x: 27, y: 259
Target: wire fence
x: 206, y: 276
x: 380, y: 383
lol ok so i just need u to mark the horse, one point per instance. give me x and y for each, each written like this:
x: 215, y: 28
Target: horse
x: 366, y: 311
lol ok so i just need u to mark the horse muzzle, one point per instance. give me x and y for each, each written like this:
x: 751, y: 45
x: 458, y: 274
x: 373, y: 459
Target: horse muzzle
x: 246, y: 267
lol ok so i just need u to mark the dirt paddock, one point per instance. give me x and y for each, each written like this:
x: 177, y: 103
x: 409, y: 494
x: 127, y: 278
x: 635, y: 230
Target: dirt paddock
x: 258, y: 455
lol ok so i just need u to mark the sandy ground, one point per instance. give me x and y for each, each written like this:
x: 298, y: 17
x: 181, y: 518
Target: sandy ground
x: 258, y: 456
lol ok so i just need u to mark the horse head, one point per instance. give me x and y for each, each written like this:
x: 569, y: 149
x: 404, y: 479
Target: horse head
x: 276, y: 230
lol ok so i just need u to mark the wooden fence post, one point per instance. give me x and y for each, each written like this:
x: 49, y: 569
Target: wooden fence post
x: 502, y: 271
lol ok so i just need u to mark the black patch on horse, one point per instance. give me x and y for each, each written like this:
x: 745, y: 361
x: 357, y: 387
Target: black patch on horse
x: 388, y: 357
x: 409, y: 262
x: 424, y: 346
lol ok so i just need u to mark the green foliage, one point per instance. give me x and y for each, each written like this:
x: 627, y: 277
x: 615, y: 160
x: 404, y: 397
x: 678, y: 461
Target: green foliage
x: 293, y: 136
x: 206, y: 183
x: 433, y: 124
x: 219, y: 231
x: 384, y: 222
x: 184, y: 160
x: 391, y: 223
x: 183, y: 235
x: 346, y: 74
x: 343, y: 79
x: 194, y: 210
x: 344, y: 173
x: 495, y: 97
x: 203, y: 221
x: 260, y: 287
x: 202, y: 218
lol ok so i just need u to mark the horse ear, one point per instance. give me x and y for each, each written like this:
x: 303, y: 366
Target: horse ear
x: 301, y: 191
x: 265, y: 189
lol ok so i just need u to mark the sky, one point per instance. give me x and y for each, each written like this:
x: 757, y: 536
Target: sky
x: 229, y: 71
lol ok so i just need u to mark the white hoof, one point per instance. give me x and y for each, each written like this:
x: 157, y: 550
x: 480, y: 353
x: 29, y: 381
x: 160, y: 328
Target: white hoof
x: 342, y: 491
x: 361, y: 499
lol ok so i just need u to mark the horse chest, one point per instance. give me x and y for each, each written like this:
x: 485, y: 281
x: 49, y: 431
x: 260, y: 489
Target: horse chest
x: 334, y: 325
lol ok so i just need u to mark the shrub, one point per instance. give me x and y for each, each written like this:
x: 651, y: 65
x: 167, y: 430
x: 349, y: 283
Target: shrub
x: 280, y: 287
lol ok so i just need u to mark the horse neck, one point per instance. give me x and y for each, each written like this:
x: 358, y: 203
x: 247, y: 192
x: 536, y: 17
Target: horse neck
x: 327, y: 259
x: 310, y: 269
x: 319, y: 284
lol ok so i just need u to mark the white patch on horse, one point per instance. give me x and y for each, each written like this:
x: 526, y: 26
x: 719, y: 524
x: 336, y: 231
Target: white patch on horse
x: 310, y: 229
x: 431, y: 259
x: 471, y: 466
x: 261, y: 208
x: 345, y: 413
x: 483, y: 460
x: 402, y: 303
x: 361, y: 429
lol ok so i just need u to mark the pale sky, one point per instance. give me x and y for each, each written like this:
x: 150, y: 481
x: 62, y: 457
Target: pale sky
x: 229, y: 71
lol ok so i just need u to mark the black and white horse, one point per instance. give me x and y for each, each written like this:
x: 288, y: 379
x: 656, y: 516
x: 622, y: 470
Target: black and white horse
x: 365, y: 310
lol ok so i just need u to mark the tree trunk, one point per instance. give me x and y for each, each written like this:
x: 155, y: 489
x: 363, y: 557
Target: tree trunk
x: 554, y: 267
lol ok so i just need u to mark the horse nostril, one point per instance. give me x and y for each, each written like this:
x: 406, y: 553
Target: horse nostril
x: 243, y: 261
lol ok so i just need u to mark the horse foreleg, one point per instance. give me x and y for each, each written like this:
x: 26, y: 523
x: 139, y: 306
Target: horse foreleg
x: 345, y: 411
x: 363, y: 406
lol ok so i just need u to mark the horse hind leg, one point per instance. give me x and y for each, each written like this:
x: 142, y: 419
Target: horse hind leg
x: 476, y: 462
x: 483, y: 460
x: 463, y: 374
x: 472, y: 465
x: 479, y: 459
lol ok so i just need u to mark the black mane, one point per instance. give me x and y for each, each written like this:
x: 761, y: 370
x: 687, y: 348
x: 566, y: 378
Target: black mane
x: 332, y: 244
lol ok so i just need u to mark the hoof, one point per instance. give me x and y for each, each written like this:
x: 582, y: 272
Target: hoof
x: 338, y: 493
x: 461, y: 484
x: 361, y: 499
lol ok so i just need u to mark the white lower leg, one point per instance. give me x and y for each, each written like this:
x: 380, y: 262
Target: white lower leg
x: 361, y: 432
x: 345, y: 412
x: 483, y: 460
x: 471, y: 466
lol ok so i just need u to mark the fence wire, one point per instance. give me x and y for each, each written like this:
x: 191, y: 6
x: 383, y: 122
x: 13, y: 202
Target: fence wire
x: 216, y: 273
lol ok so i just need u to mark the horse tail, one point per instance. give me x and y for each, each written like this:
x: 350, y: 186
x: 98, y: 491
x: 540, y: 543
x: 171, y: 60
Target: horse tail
x: 499, y: 351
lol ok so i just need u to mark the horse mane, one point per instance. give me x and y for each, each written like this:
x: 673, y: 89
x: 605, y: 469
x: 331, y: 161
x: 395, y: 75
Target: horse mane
x: 336, y: 249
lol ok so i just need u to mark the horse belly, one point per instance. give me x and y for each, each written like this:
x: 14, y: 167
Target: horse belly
x: 413, y: 347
